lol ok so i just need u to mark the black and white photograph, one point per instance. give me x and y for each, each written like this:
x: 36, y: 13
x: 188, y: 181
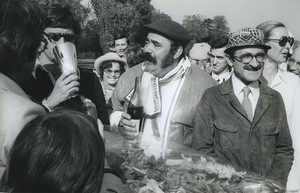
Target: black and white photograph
x: 149, y: 96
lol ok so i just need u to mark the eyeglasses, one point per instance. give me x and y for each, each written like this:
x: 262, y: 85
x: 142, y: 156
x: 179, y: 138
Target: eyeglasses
x: 43, y: 45
x: 284, y: 40
x: 56, y: 37
x: 247, y: 58
x: 116, y: 72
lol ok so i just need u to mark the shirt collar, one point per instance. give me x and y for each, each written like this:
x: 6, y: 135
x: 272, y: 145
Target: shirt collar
x: 222, y: 75
x: 238, y: 87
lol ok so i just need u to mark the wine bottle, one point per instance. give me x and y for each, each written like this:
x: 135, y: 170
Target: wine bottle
x: 135, y: 108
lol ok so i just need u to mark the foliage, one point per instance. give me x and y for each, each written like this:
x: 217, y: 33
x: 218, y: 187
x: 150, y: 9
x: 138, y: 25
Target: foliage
x: 89, y: 42
x: 204, y: 29
x: 76, y: 7
x: 123, y: 16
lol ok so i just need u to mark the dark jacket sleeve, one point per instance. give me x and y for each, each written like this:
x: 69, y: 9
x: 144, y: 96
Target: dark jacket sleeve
x: 203, y: 137
x: 91, y: 88
x: 284, y: 150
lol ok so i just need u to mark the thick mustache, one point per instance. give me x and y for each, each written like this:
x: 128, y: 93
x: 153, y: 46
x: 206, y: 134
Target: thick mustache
x: 148, y: 57
x: 251, y: 68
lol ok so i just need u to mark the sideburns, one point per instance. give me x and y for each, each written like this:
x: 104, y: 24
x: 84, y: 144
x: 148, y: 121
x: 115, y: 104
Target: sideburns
x: 169, y: 59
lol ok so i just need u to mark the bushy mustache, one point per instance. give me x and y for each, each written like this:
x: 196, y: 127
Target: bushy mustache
x: 148, y: 57
x: 251, y: 68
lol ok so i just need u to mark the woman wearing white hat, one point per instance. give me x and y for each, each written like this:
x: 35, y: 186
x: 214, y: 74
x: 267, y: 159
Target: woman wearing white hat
x: 109, y: 67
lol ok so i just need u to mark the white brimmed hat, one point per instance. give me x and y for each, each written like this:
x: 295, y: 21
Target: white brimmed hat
x: 110, y: 56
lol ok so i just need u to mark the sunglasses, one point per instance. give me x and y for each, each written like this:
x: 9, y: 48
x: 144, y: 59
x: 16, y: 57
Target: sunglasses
x: 116, y: 72
x: 284, y: 40
x: 56, y: 37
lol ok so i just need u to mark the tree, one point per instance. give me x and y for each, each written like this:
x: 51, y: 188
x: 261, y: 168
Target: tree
x: 203, y: 29
x: 123, y: 16
x: 116, y: 16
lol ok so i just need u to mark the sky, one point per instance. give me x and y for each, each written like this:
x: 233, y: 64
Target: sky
x: 239, y: 13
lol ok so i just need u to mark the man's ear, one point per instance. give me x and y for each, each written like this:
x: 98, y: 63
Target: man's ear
x: 228, y: 60
x: 178, y: 52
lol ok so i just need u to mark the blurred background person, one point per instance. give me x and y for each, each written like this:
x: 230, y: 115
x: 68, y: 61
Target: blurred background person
x: 220, y: 68
x: 48, y: 84
x: 134, y: 55
x: 198, y: 55
x: 287, y: 84
x: 121, y: 44
x: 109, y: 67
x: 21, y: 32
x: 60, y: 152
x: 293, y: 64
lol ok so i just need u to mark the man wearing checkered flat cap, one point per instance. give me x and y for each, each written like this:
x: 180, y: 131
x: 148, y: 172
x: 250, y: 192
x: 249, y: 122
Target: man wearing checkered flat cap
x: 171, y: 88
x: 243, y: 121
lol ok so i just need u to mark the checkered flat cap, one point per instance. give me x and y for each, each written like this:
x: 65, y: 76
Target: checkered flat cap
x: 246, y: 37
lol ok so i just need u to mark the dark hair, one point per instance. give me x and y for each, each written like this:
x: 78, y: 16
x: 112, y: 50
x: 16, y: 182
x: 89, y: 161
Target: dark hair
x: 268, y: 26
x: 21, y: 28
x: 60, y: 152
x: 108, y: 64
x: 60, y: 15
x: 134, y: 54
x: 118, y: 36
x: 219, y: 42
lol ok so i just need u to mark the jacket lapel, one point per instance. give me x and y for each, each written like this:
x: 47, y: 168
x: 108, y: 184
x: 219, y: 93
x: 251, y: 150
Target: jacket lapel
x: 227, y: 89
x: 262, y: 104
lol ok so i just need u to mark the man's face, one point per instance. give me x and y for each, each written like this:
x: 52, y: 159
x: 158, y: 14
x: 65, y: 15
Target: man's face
x: 251, y: 72
x: 217, y: 60
x: 158, y: 59
x: 294, y: 62
x: 121, y: 45
x: 202, y: 63
x: 55, y: 36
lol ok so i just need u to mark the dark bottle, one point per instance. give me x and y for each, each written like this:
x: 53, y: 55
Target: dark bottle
x: 135, y: 108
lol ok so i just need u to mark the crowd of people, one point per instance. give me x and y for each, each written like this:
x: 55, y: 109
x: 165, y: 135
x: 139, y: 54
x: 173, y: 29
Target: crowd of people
x: 236, y: 97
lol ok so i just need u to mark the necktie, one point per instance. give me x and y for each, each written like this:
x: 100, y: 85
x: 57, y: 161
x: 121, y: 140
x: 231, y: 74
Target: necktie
x: 246, y: 103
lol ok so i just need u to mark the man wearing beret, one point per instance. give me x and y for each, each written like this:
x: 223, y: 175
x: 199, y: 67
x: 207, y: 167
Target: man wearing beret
x: 171, y: 88
x: 243, y: 121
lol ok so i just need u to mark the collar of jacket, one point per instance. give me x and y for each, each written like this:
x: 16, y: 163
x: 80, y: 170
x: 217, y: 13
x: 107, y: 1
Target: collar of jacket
x: 226, y: 87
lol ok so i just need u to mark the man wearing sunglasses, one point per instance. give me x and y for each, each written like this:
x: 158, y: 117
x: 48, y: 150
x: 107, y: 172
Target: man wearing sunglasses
x: 49, y: 85
x: 243, y: 121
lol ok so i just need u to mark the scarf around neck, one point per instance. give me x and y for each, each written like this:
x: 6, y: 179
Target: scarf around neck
x: 150, y: 86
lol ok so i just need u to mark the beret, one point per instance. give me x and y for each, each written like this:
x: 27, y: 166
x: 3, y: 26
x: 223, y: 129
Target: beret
x: 110, y: 56
x: 244, y: 38
x: 171, y: 30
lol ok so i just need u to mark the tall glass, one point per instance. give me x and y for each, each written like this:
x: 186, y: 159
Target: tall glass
x: 65, y: 54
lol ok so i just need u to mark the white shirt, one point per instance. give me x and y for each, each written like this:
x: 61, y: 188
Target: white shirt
x: 288, y: 85
x: 238, y: 87
x: 225, y: 75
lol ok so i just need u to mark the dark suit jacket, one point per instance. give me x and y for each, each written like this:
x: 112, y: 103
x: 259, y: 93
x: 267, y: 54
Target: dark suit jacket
x: 223, y: 130
x: 41, y: 87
